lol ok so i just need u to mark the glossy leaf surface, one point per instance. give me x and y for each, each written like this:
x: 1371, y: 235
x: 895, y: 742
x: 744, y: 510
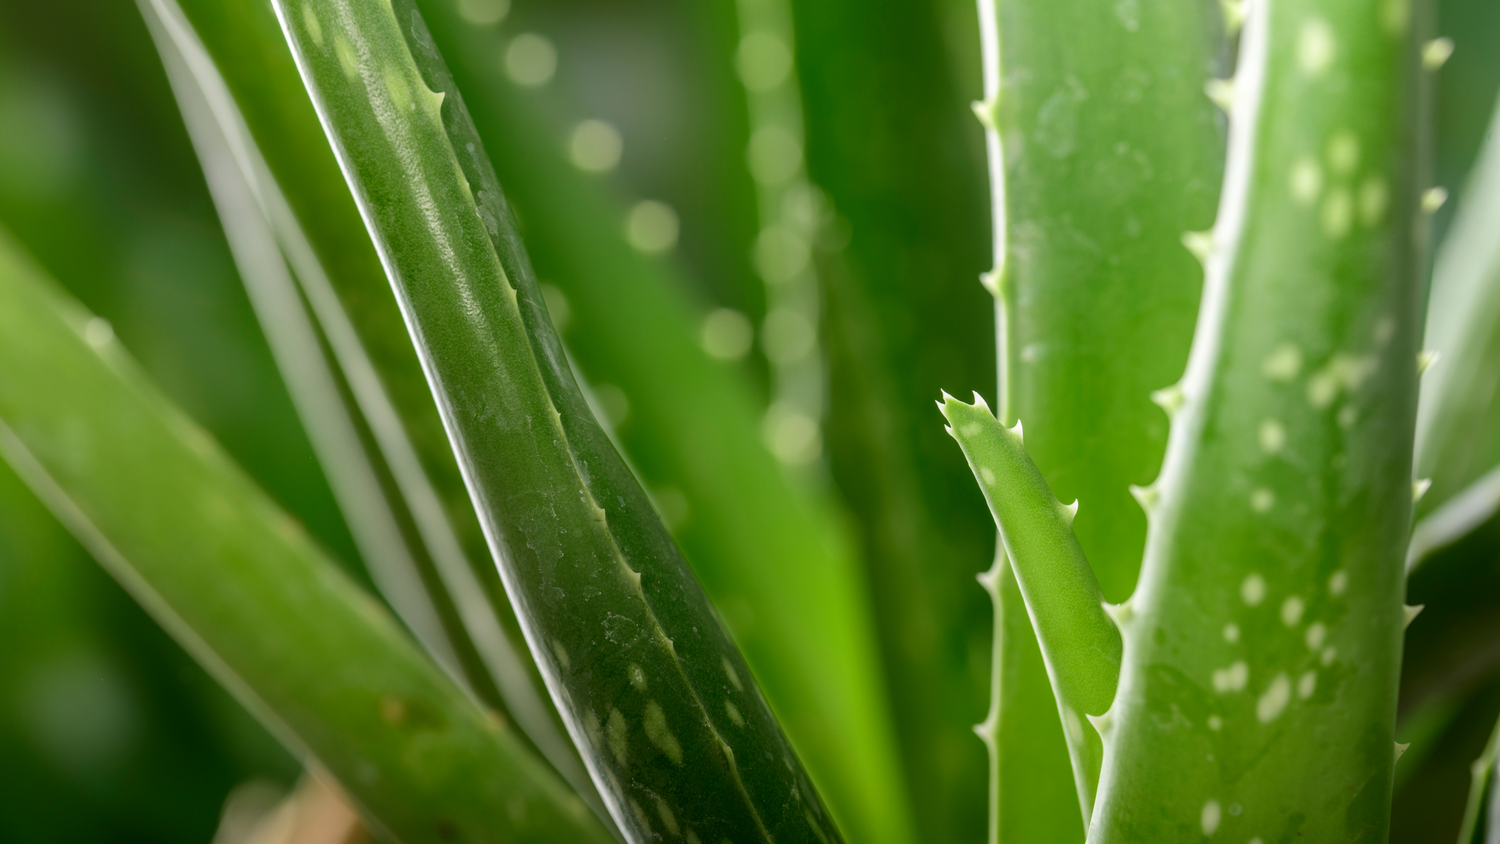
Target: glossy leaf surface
x: 672, y: 727
x: 1103, y: 151
x: 1261, y: 662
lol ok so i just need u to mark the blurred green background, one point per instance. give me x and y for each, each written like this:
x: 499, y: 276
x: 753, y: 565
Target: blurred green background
x: 110, y: 733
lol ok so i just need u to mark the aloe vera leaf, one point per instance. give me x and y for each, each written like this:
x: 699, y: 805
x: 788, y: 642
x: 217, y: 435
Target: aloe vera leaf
x: 1079, y: 642
x: 340, y: 278
x: 890, y: 143
x: 613, y: 616
x: 251, y: 598
x: 1481, y: 823
x: 1103, y: 150
x: 766, y: 548
x: 1456, y: 419
x: 1257, y: 696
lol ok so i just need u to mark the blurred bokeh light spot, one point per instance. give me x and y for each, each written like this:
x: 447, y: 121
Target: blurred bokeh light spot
x: 727, y: 334
x: 651, y: 226
x: 596, y: 146
x: 775, y: 155
x: 791, y: 435
x: 781, y: 254
x: 530, y: 60
x: 763, y: 61
x: 483, y: 12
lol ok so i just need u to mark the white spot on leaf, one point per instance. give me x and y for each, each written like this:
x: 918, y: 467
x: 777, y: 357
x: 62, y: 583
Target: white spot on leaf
x: 1210, y: 817
x: 1253, y: 589
x: 1271, y: 704
x: 1291, y: 611
x: 1316, y: 46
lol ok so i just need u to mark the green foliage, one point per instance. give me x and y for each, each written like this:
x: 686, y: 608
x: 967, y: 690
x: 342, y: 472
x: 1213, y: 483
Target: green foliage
x: 322, y: 665
x: 498, y: 436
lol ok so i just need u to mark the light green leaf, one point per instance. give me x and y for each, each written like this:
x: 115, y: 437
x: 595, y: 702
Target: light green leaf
x: 236, y: 582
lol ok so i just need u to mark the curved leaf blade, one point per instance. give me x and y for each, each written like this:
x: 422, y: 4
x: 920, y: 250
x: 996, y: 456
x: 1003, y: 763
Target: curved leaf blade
x: 236, y: 583
x: 672, y: 727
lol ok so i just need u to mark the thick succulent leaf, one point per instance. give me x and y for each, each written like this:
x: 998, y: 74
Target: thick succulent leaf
x: 892, y: 148
x: 1103, y: 151
x: 1266, y: 629
x: 237, y: 583
x: 673, y: 729
x: 1080, y: 643
x: 766, y: 548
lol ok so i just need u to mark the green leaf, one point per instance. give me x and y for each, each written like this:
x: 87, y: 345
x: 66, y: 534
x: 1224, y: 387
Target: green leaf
x: 674, y: 731
x: 767, y: 549
x: 239, y: 585
x: 1103, y: 150
x: 1267, y: 624
x: 1080, y: 643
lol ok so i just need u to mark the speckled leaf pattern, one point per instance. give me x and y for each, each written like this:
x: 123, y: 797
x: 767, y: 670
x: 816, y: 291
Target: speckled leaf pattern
x: 1262, y: 650
x: 322, y: 664
x: 1103, y: 150
x: 672, y: 727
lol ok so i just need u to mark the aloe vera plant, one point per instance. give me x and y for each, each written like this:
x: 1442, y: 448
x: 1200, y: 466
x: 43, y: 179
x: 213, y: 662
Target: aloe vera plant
x: 1267, y: 621
x: 1204, y: 529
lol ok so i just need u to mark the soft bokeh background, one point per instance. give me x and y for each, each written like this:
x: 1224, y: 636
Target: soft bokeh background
x: 110, y: 733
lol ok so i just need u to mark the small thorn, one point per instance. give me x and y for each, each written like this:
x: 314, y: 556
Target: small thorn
x: 991, y: 281
x: 1020, y: 434
x: 1103, y: 724
x: 1068, y: 511
x: 979, y: 401
x: 986, y: 731
x: 948, y: 428
x: 1146, y: 496
x: 989, y: 578
x: 1201, y: 244
x: 1221, y: 91
x: 1169, y: 399
x: 1433, y: 199
x: 1426, y: 358
x: 985, y: 111
x: 1401, y: 748
x: 1435, y: 53
x: 1122, y: 612
x: 1412, y: 612
x: 1419, y: 488
x: 1234, y: 15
